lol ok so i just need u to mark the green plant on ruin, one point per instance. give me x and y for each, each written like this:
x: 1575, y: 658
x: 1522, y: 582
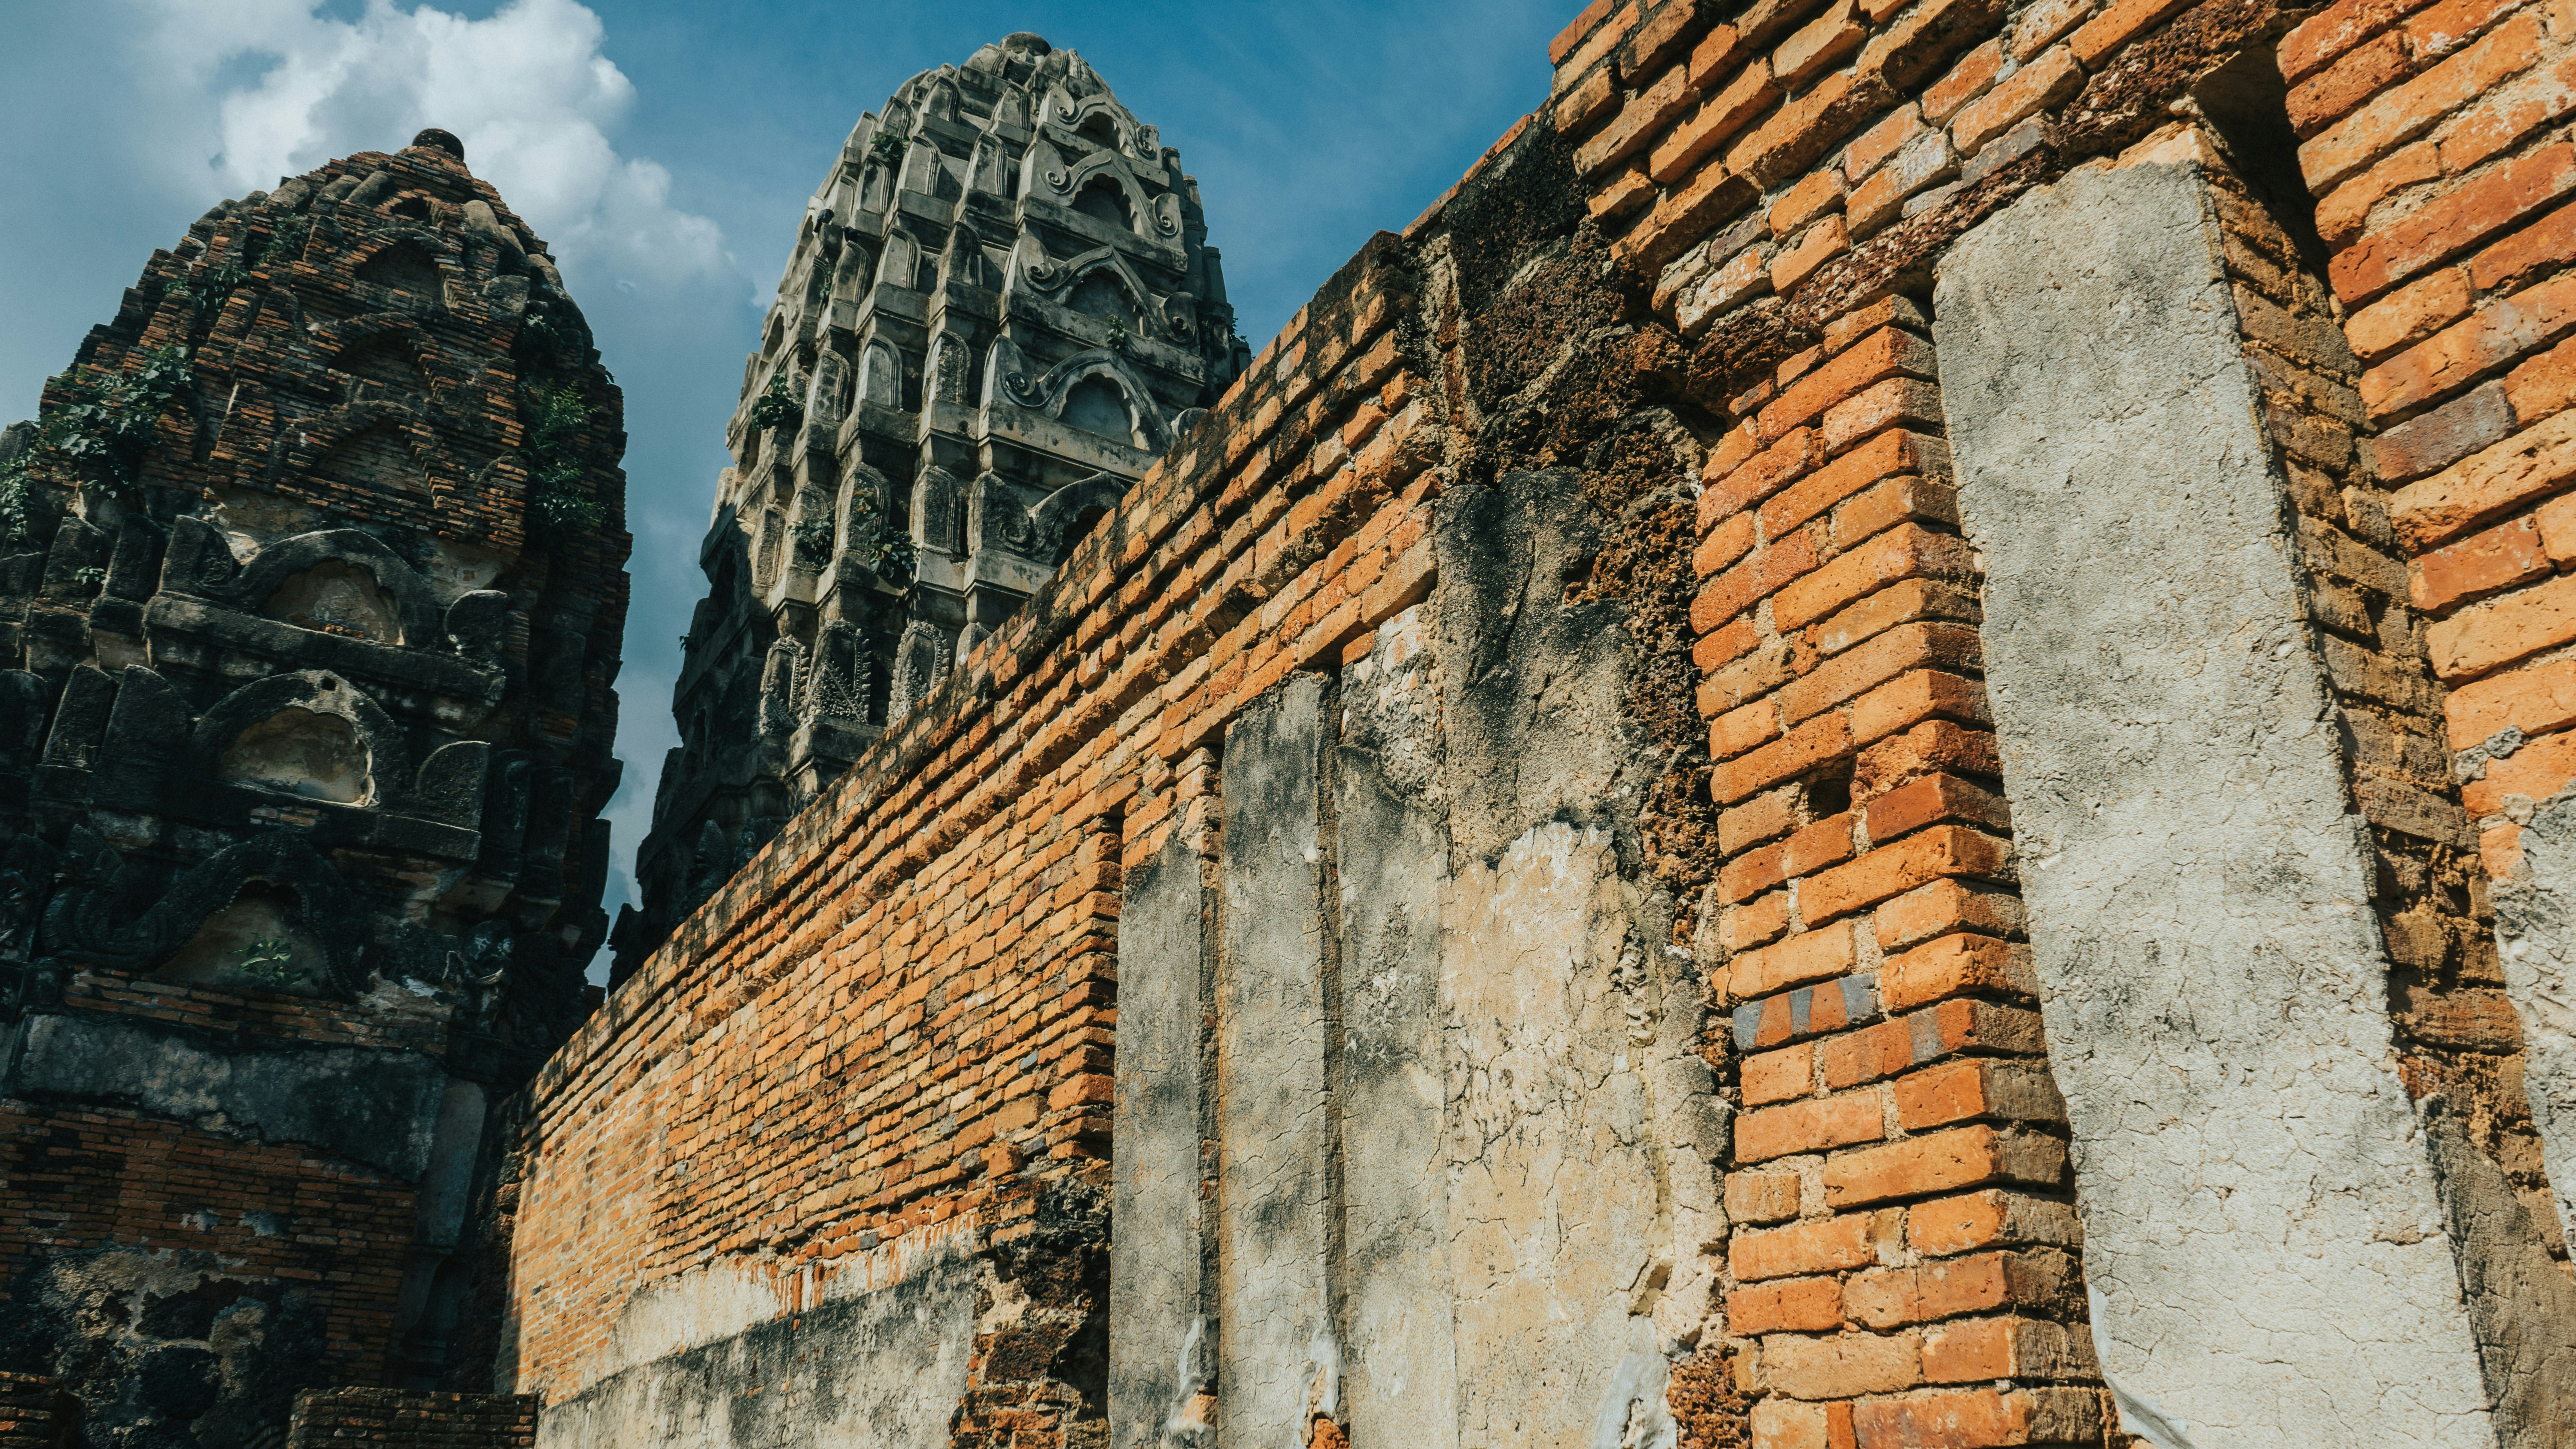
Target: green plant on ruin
x: 14, y: 500
x: 104, y: 424
x: 270, y: 961
x: 218, y: 280
x: 895, y: 552
x: 90, y: 577
x: 888, y: 148
x: 814, y: 539
x: 777, y: 408
x: 550, y: 418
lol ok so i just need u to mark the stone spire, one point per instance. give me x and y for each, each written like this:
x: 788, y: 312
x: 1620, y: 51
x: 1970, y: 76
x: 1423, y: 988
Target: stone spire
x: 1000, y: 309
x: 311, y: 591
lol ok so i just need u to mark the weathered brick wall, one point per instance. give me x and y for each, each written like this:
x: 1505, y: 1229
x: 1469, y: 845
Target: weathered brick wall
x: 877, y: 1067
x: 887, y: 1042
x: 405, y: 1420
x: 33, y: 1413
x: 1792, y: 174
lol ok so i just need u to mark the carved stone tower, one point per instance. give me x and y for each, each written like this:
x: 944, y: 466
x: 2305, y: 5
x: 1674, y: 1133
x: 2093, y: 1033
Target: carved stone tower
x: 311, y: 591
x: 1000, y: 310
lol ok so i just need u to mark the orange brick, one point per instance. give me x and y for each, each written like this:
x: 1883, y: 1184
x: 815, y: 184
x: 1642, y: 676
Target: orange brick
x: 1851, y: 1241
x: 1577, y: 29
x: 1718, y: 118
x: 2496, y: 124
x: 1724, y: 545
x: 2048, y: 80
x: 1966, y: 81
x: 1906, y: 551
x: 1818, y: 45
x: 1902, y: 602
x: 2526, y: 252
x: 1820, y: 244
x: 2323, y: 37
x: 2403, y: 112
x: 1959, y: 1091
x: 1808, y: 956
x: 2409, y: 315
x: 1999, y: 1348
x: 1761, y: 818
x: 2544, y: 385
x: 1890, y: 352
x: 2479, y: 565
x: 1777, y: 1076
x: 1931, y: 748
x: 1754, y: 872
x: 1843, y: 1366
x: 2455, y: 223
x: 2044, y: 22
x: 1894, y: 1047
x: 1901, y: 499
x: 1808, y: 1127
x: 1694, y: 206
x: 1990, y: 1218
x: 1761, y: 476
x: 1761, y: 920
x: 1954, y: 965
x: 1926, y: 644
x: 1913, y: 698
x: 1806, y: 127
x: 2536, y: 771
x: 1761, y: 1197
x: 2536, y: 699
x: 1945, y: 906
x: 1930, y: 801
x: 1666, y: 32
x: 2116, y: 26
x: 1887, y: 455
x: 1975, y: 1418
x: 2524, y: 468
x: 2326, y: 96
x: 2343, y: 211
x: 1801, y: 1305
x: 1813, y: 196
x: 1639, y: 120
x: 1942, y: 1162
x: 2487, y: 636
x: 1749, y: 582
x: 1881, y: 141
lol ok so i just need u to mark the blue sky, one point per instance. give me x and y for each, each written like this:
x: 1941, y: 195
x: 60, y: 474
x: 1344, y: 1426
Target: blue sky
x: 666, y: 151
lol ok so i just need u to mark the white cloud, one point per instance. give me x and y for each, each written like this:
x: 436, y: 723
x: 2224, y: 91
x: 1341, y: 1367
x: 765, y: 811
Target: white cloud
x: 277, y: 87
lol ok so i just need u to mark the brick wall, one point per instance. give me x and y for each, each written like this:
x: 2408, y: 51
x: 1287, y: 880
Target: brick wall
x: 403, y: 1420
x: 887, y: 1044
x: 33, y: 1413
x: 894, y: 1026
x: 1789, y: 174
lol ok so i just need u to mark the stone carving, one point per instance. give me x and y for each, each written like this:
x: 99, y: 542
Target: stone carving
x: 302, y: 685
x: 1004, y: 278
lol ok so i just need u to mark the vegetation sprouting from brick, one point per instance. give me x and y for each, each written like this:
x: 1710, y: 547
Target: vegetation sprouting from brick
x: 97, y: 426
x: 551, y: 417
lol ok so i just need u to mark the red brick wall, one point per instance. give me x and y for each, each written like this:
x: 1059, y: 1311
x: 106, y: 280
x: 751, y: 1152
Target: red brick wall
x: 1788, y: 175
x: 897, y: 1021
x: 403, y: 1420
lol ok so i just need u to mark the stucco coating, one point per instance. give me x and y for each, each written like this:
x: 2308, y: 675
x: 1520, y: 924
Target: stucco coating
x: 2268, y: 1258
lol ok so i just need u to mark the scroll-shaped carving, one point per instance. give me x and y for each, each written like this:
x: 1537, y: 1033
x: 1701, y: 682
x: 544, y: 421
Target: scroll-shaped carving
x: 920, y: 662
x: 780, y: 675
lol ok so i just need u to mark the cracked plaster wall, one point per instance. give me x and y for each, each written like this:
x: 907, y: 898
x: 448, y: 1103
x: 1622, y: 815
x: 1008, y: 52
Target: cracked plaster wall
x: 1465, y: 1148
x: 2268, y: 1258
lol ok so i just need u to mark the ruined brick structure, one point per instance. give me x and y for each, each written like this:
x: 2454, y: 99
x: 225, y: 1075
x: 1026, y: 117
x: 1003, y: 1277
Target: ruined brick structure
x: 310, y: 603
x: 999, y: 310
x: 1863, y: 754
x: 1793, y: 777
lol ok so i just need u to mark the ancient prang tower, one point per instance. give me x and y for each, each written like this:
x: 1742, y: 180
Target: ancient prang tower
x: 1000, y: 309
x: 310, y: 603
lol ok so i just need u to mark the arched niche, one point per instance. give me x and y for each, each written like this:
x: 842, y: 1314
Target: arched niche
x: 404, y: 266
x: 1104, y: 201
x: 1103, y: 293
x: 337, y: 597
x: 378, y: 458
x: 343, y: 561
x: 300, y: 751
x: 387, y: 359
x: 1098, y: 405
x: 260, y: 941
x: 309, y: 734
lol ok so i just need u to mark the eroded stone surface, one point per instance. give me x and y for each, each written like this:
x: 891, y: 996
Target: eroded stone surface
x: 2267, y: 1253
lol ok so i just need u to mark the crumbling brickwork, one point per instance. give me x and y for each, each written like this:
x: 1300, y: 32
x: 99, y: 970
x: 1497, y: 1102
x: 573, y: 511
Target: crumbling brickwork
x: 311, y: 591
x: 407, y: 1420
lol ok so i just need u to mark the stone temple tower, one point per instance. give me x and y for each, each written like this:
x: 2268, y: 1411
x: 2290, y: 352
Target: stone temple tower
x: 1000, y: 309
x: 311, y: 591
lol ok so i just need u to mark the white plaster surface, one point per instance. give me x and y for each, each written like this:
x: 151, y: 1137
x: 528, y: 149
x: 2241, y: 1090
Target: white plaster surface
x: 2262, y: 1234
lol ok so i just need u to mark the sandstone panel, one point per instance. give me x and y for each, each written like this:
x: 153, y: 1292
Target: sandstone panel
x: 2268, y: 1258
